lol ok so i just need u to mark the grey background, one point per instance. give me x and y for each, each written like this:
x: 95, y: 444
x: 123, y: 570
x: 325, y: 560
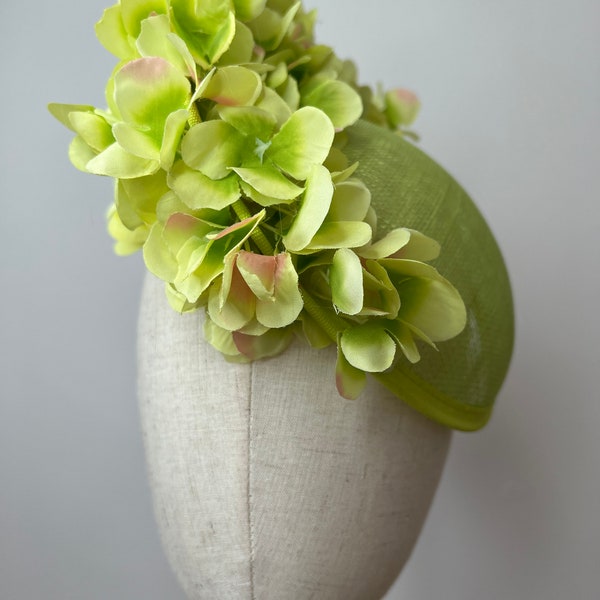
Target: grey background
x: 511, y: 92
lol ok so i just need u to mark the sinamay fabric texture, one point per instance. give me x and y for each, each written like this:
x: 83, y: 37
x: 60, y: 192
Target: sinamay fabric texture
x: 267, y: 485
x: 456, y: 386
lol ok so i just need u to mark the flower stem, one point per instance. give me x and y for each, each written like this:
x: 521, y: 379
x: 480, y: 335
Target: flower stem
x: 194, y: 117
x: 329, y: 322
x: 258, y: 237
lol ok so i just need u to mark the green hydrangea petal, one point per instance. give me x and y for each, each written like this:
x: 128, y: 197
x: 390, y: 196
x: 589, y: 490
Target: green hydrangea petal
x: 349, y: 380
x: 136, y: 142
x: 258, y: 272
x: 405, y: 340
x: 61, y: 112
x: 337, y: 100
x: 346, y: 280
x: 303, y: 142
x: 269, y: 27
x: 241, y: 48
x: 269, y: 182
x: 207, y: 264
x: 401, y: 107
x: 116, y: 162
x: 93, y: 129
x: 133, y: 12
x: 368, y: 347
x: 213, y: 147
x: 381, y: 297
x: 199, y: 191
x: 126, y: 241
x: 207, y: 28
x: 111, y: 33
x: 272, y: 103
x: 313, y: 209
x: 255, y: 347
x: 80, y: 154
x: 340, y: 234
x: 147, y: 91
x: 432, y: 306
x: 158, y: 257
x: 233, y: 86
x: 314, y: 334
x: 221, y: 339
x: 178, y: 302
x: 419, y: 247
x: 174, y: 127
x: 249, y: 121
x: 248, y: 9
x: 351, y: 201
x: 238, y: 308
x: 156, y: 39
x: 137, y: 199
x: 389, y: 245
x: 286, y: 303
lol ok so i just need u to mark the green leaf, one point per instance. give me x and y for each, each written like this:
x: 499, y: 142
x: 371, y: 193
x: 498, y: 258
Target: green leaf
x: 346, y: 281
x: 199, y: 191
x: 368, y: 347
x: 116, y: 162
x: 337, y: 100
x: 213, y: 147
x: 313, y: 209
x: 269, y: 182
x: 303, y: 142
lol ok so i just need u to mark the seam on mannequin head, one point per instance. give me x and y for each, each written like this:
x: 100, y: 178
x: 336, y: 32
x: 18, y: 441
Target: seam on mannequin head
x: 250, y: 483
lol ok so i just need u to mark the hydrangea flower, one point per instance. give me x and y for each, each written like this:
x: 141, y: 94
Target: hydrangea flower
x: 224, y: 133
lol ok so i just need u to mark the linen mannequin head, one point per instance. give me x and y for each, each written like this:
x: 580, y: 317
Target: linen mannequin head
x: 281, y: 204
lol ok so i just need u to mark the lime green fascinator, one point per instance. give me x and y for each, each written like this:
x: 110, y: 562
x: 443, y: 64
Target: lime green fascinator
x: 263, y: 184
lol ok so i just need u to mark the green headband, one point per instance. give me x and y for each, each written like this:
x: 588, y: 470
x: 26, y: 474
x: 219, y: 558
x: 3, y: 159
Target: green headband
x: 266, y: 186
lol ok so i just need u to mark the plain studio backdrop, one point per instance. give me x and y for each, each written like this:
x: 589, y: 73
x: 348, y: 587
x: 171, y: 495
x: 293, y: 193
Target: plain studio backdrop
x: 510, y: 92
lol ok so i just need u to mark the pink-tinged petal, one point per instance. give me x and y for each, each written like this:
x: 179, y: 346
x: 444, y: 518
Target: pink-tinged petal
x: 232, y: 228
x: 259, y: 273
x: 255, y: 347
